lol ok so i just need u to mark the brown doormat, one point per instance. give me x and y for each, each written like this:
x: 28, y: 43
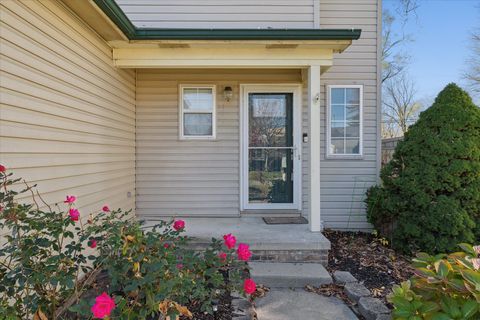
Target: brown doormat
x: 285, y: 220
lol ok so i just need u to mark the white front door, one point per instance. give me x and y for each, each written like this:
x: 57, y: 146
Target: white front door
x: 271, y: 147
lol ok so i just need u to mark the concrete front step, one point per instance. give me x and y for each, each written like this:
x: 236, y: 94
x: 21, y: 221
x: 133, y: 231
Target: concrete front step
x: 276, y: 243
x: 289, y: 275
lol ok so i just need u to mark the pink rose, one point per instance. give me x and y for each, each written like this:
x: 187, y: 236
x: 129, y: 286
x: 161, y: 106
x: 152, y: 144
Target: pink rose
x: 229, y: 241
x: 476, y: 264
x: 74, y: 214
x: 103, y: 306
x: 106, y: 209
x: 179, y: 266
x: 243, y: 252
x: 92, y: 243
x: 2, y: 168
x: 179, y: 225
x: 476, y: 249
x: 222, y: 256
x: 70, y: 199
x: 249, y: 286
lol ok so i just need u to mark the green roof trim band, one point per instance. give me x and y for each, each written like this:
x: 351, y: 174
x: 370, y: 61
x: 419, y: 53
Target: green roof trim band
x: 247, y: 34
x: 116, y: 14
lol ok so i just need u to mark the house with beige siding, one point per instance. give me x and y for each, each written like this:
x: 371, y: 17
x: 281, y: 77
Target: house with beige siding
x: 212, y: 109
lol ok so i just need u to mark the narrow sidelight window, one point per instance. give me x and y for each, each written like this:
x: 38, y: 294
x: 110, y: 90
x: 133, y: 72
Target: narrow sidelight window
x: 197, y: 112
x: 345, y: 121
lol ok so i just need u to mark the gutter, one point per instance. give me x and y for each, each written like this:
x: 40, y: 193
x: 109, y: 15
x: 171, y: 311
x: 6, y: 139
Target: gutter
x: 116, y: 14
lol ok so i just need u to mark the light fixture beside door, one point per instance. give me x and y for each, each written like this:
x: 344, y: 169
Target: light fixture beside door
x: 228, y: 93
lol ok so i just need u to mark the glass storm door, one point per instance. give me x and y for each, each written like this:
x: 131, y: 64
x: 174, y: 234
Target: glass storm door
x: 270, y: 150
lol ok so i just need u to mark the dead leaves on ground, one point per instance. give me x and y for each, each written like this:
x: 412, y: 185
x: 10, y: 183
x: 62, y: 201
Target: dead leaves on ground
x: 260, y: 292
x: 167, y: 305
x: 330, y: 290
x: 39, y: 315
x: 368, y: 259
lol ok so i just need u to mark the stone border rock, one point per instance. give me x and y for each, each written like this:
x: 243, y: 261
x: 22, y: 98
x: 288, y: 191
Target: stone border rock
x: 242, y: 308
x: 369, y: 307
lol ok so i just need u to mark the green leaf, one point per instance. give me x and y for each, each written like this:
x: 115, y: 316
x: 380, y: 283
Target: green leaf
x: 397, y: 290
x: 468, y: 248
x: 443, y: 268
x: 440, y: 316
x: 425, y: 273
x: 402, y: 313
x: 424, y: 257
x: 458, y: 285
x: 429, y: 307
x: 400, y: 303
x: 472, y: 277
x: 451, y: 306
x: 469, y: 309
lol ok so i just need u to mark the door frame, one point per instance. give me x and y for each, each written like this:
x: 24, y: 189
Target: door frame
x: 296, y: 90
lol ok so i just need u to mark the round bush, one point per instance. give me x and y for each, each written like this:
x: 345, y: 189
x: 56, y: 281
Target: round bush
x: 430, y: 196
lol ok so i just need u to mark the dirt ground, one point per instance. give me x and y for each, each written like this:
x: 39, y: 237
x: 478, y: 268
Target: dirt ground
x: 369, y: 260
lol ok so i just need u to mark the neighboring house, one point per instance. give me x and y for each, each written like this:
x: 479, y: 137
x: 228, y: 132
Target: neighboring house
x: 388, y: 148
x: 214, y: 108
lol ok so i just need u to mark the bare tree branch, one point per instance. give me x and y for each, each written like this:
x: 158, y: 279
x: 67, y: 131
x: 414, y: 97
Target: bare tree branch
x: 472, y: 74
x: 394, y: 60
x: 400, y: 107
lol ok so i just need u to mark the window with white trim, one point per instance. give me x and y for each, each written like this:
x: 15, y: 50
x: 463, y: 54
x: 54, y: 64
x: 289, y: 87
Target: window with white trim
x: 197, y: 112
x: 345, y: 121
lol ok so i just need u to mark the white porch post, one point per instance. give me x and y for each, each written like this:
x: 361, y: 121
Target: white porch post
x: 314, y: 157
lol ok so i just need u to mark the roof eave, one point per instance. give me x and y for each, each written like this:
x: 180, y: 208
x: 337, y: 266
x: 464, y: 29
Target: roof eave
x: 118, y: 17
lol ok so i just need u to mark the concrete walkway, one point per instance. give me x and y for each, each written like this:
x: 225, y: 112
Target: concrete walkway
x: 289, y: 304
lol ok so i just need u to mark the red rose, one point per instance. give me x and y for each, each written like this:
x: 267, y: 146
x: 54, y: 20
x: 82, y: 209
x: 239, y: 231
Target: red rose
x: 222, y: 256
x: 243, y: 252
x: 70, y: 199
x: 229, y: 241
x: 92, y: 243
x: 179, y: 225
x: 249, y: 286
x: 103, y: 306
x: 74, y: 214
x: 2, y: 168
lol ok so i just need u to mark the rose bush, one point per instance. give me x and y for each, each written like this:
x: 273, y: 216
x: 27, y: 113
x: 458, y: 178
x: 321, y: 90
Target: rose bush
x: 41, y: 257
x: 151, y: 271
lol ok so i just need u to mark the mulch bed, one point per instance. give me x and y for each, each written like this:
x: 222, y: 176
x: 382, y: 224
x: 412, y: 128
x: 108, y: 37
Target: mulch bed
x: 224, y: 310
x: 367, y: 259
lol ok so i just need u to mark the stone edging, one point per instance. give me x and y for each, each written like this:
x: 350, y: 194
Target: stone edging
x: 369, y: 307
x: 242, y: 308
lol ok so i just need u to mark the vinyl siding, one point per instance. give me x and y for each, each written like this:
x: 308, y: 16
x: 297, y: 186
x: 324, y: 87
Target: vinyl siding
x: 67, y: 115
x: 344, y: 182
x: 68, y: 119
x: 191, y: 177
x: 220, y: 13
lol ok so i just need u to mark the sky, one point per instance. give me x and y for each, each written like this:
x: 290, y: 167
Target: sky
x: 440, y: 31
